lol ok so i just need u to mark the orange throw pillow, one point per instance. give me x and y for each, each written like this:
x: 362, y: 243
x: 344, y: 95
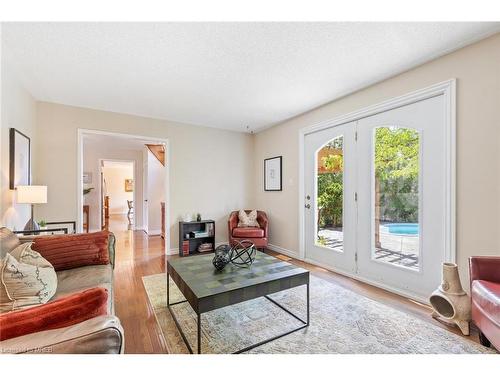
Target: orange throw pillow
x: 74, y: 250
x: 60, y: 313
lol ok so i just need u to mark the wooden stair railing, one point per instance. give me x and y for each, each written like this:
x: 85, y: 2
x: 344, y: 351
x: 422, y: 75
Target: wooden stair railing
x: 158, y: 151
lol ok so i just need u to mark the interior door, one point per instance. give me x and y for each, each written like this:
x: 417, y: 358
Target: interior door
x: 401, y: 196
x: 330, y: 207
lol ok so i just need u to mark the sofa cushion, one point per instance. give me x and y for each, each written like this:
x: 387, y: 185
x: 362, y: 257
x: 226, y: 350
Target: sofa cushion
x: 8, y: 241
x: 247, y: 220
x: 57, y: 314
x: 486, y: 295
x: 26, y: 279
x: 249, y: 232
x: 74, y: 250
x: 78, y: 279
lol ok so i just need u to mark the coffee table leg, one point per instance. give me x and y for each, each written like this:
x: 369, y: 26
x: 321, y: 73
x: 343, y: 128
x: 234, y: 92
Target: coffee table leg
x: 199, y: 333
x: 307, y: 303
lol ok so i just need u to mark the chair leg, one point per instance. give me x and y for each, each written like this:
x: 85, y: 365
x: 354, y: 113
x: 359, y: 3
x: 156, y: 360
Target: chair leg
x: 484, y: 340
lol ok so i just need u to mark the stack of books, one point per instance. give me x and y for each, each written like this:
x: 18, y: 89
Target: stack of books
x: 210, y: 228
x: 198, y: 234
x: 185, y: 247
x: 205, y: 247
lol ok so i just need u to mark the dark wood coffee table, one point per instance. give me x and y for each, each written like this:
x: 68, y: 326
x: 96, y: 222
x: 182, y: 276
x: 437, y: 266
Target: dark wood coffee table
x: 207, y: 289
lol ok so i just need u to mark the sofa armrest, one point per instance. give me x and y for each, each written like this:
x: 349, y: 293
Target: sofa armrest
x: 99, y: 335
x: 76, y: 250
x: 484, y: 268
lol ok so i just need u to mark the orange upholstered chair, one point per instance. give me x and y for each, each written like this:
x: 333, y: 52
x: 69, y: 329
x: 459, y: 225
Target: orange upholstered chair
x: 257, y: 235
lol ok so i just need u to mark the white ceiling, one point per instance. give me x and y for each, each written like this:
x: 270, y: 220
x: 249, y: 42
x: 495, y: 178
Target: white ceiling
x: 225, y: 75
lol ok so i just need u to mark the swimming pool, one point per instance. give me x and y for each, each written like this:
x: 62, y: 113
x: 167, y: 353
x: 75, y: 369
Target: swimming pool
x: 403, y: 228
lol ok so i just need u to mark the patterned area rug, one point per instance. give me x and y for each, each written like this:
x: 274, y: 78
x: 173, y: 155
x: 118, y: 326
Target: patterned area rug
x: 341, y: 322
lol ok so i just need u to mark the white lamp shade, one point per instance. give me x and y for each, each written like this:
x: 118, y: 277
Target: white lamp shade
x: 32, y: 194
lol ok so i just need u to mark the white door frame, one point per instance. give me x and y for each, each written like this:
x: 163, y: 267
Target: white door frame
x: 448, y: 90
x: 79, y: 168
x: 134, y: 173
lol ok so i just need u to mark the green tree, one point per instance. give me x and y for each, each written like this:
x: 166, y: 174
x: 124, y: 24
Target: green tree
x: 330, y: 186
x: 396, y: 153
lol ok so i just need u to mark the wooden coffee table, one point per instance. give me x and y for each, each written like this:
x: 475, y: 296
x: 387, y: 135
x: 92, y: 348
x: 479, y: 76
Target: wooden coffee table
x: 207, y: 289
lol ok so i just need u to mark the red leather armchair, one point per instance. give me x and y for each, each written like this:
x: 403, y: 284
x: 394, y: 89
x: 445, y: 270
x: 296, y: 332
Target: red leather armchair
x: 485, y: 295
x: 259, y: 236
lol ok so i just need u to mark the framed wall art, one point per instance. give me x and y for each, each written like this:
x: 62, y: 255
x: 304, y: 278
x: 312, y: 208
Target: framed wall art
x: 272, y: 174
x: 129, y: 185
x: 19, y: 159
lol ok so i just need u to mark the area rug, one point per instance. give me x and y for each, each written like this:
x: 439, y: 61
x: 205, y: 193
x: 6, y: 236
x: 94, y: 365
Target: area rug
x: 342, y: 321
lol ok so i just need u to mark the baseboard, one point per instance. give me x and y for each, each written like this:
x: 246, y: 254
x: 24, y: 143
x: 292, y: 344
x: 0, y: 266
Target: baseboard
x: 283, y: 251
x: 400, y: 292
x: 397, y: 291
x: 154, y: 232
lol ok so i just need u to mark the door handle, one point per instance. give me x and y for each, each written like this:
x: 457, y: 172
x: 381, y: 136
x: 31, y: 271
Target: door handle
x: 307, y: 206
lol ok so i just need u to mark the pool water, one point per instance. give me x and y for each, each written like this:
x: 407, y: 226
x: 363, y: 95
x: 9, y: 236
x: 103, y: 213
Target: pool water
x: 403, y: 228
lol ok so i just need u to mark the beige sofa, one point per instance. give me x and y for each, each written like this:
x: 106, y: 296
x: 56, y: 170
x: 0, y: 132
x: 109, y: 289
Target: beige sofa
x: 102, y: 334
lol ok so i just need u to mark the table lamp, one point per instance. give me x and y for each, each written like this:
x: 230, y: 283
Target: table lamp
x: 32, y: 194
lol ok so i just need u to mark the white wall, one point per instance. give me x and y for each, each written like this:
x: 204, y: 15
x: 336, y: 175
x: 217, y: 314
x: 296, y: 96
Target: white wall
x: 156, y: 193
x: 18, y: 110
x: 115, y: 176
x: 210, y: 169
x: 476, y: 68
x: 92, y: 153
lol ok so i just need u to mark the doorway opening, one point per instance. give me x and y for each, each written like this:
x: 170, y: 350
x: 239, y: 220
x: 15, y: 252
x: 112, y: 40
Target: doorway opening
x: 120, y: 185
x: 117, y: 195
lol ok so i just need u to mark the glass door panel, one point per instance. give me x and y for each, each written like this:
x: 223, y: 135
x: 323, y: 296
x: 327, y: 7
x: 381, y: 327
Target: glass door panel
x: 330, y: 194
x: 396, y: 196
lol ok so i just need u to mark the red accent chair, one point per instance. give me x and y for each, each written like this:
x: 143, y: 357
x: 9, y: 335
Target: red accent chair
x: 259, y: 236
x: 485, y: 295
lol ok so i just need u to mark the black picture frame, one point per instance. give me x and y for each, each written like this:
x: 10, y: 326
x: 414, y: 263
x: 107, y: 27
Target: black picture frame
x: 14, y: 136
x: 266, y: 165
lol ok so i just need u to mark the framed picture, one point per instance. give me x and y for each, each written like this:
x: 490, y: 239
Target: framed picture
x: 87, y: 177
x: 19, y: 159
x: 272, y: 174
x: 129, y: 185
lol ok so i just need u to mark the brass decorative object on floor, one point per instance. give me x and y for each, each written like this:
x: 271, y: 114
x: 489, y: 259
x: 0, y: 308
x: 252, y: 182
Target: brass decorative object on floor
x: 449, y: 300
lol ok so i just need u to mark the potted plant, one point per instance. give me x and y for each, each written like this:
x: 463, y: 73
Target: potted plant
x: 42, y: 224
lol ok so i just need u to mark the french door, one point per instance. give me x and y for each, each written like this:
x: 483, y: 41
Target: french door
x: 330, y: 186
x: 376, y: 197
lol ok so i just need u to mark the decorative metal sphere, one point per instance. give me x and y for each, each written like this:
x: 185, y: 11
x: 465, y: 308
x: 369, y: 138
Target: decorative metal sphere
x: 243, y: 253
x: 222, y: 257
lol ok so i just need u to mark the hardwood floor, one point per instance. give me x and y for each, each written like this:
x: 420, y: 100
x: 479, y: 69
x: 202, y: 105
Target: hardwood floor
x: 138, y: 255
